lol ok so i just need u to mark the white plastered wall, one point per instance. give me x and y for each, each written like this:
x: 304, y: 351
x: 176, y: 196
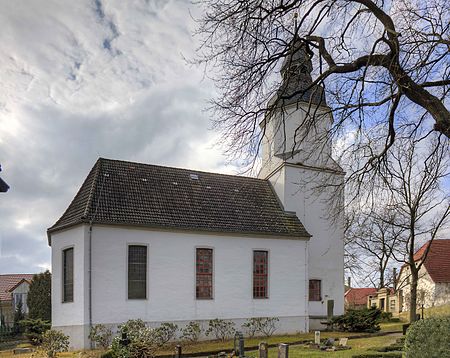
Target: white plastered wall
x: 171, y: 279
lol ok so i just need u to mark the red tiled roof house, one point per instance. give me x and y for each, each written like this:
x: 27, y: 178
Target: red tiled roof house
x: 433, y: 288
x: 13, y: 289
x: 356, y: 298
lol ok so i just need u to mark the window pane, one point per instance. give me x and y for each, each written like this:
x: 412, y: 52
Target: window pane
x: 315, y: 293
x: 204, y: 272
x: 260, y: 274
x: 137, y: 272
x: 68, y: 275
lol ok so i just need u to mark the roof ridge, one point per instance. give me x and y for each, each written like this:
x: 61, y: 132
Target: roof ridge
x: 89, y: 200
x: 178, y: 168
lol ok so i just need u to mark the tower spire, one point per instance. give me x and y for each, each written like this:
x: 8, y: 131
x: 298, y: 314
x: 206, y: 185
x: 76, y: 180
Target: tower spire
x: 296, y: 72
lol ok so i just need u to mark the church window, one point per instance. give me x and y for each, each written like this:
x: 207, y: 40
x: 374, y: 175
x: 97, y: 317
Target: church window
x: 260, y: 274
x: 204, y: 273
x: 68, y: 275
x: 137, y: 272
x: 315, y: 287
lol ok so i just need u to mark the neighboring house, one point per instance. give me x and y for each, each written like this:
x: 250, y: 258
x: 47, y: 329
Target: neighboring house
x: 175, y: 245
x: 433, y: 287
x: 357, y: 298
x: 13, y: 289
x: 387, y: 300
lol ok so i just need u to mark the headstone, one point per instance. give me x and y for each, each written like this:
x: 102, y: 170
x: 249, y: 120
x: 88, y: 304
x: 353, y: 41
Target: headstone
x: 283, y: 350
x: 177, y: 351
x: 317, y: 337
x: 262, y: 350
x: 329, y: 342
x: 330, y: 310
x: 343, y: 342
x: 22, y: 350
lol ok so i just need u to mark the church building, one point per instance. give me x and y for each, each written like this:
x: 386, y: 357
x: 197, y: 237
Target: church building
x: 176, y: 245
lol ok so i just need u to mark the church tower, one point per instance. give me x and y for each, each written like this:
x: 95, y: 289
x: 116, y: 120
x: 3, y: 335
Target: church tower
x: 297, y: 160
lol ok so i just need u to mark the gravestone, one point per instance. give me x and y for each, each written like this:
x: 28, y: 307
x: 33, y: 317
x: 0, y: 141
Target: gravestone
x: 343, y: 342
x: 283, y: 350
x: 178, y: 351
x: 262, y: 350
x: 317, y: 337
x: 330, y: 310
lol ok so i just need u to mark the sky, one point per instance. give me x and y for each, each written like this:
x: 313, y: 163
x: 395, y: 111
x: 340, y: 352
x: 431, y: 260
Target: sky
x: 86, y: 79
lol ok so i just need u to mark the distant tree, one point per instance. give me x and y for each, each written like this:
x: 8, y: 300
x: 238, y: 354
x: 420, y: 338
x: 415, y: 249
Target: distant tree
x: 18, y: 317
x: 372, y: 241
x: 39, y: 297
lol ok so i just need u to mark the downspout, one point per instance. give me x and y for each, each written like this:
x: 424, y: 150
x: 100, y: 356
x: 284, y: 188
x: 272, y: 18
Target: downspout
x: 306, y: 287
x: 90, y: 281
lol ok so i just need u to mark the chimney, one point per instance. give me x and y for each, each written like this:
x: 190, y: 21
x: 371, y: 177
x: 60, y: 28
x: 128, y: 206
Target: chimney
x: 394, y: 278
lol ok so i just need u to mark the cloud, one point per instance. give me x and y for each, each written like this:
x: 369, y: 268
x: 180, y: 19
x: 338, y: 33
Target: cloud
x: 85, y: 79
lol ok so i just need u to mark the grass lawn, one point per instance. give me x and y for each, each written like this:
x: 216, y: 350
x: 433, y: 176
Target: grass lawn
x: 358, y: 345
x: 438, y: 311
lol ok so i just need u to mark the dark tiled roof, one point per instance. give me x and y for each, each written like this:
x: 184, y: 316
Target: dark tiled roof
x: 126, y: 193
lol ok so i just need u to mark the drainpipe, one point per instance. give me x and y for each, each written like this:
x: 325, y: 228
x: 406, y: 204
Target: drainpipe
x: 90, y: 281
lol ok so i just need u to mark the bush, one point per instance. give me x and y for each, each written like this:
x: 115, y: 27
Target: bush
x: 428, y: 338
x: 39, y: 297
x: 366, y: 320
x: 107, y: 354
x: 166, y: 332
x: 386, y: 316
x: 378, y: 355
x: 34, y: 329
x: 220, y: 329
x: 101, y: 336
x: 18, y: 317
x: 142, y: 341
x: 191, y: 332
x: 264, y: 325
x: 53, y: 342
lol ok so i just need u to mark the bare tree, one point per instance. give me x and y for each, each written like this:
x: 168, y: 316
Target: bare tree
x: 413, y: 175
x: 384, y: 66
x: 373, y: 240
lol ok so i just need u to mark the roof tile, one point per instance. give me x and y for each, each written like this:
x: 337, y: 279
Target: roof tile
x: 127, y: 193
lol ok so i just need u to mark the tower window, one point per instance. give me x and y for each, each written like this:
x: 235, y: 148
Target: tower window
x: 68, y: 275
x: 315, y: 287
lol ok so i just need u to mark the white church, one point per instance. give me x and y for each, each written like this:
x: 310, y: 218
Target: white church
x: 175, y: 245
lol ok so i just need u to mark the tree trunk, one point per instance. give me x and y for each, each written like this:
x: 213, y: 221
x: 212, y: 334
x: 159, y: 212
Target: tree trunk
x: 413, y: 296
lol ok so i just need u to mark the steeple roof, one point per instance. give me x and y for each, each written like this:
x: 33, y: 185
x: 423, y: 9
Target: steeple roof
x: 296, y: 71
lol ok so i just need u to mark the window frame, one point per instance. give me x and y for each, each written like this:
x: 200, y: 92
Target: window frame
x: 127, y: 259
x: 309, y: 290
x: 267, y: 274
x: 63, y: 274
x: 213, y: 269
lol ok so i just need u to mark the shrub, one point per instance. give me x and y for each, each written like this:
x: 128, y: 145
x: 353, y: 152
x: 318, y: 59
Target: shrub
x: 378, y: 355
x: 101, y: 336
x: 34, y: 328
x: 53, y: 342
x: 428, y: 338
x: 18, y: 317
x: 39, y: 297
x: 166, y: 332
x: 264, y: 325
x: 191, y: 332
x: 142, y: 341
x: 220, y: 329
x: 107, y: 354
x: 386, y: 316
x: 366, y: 320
